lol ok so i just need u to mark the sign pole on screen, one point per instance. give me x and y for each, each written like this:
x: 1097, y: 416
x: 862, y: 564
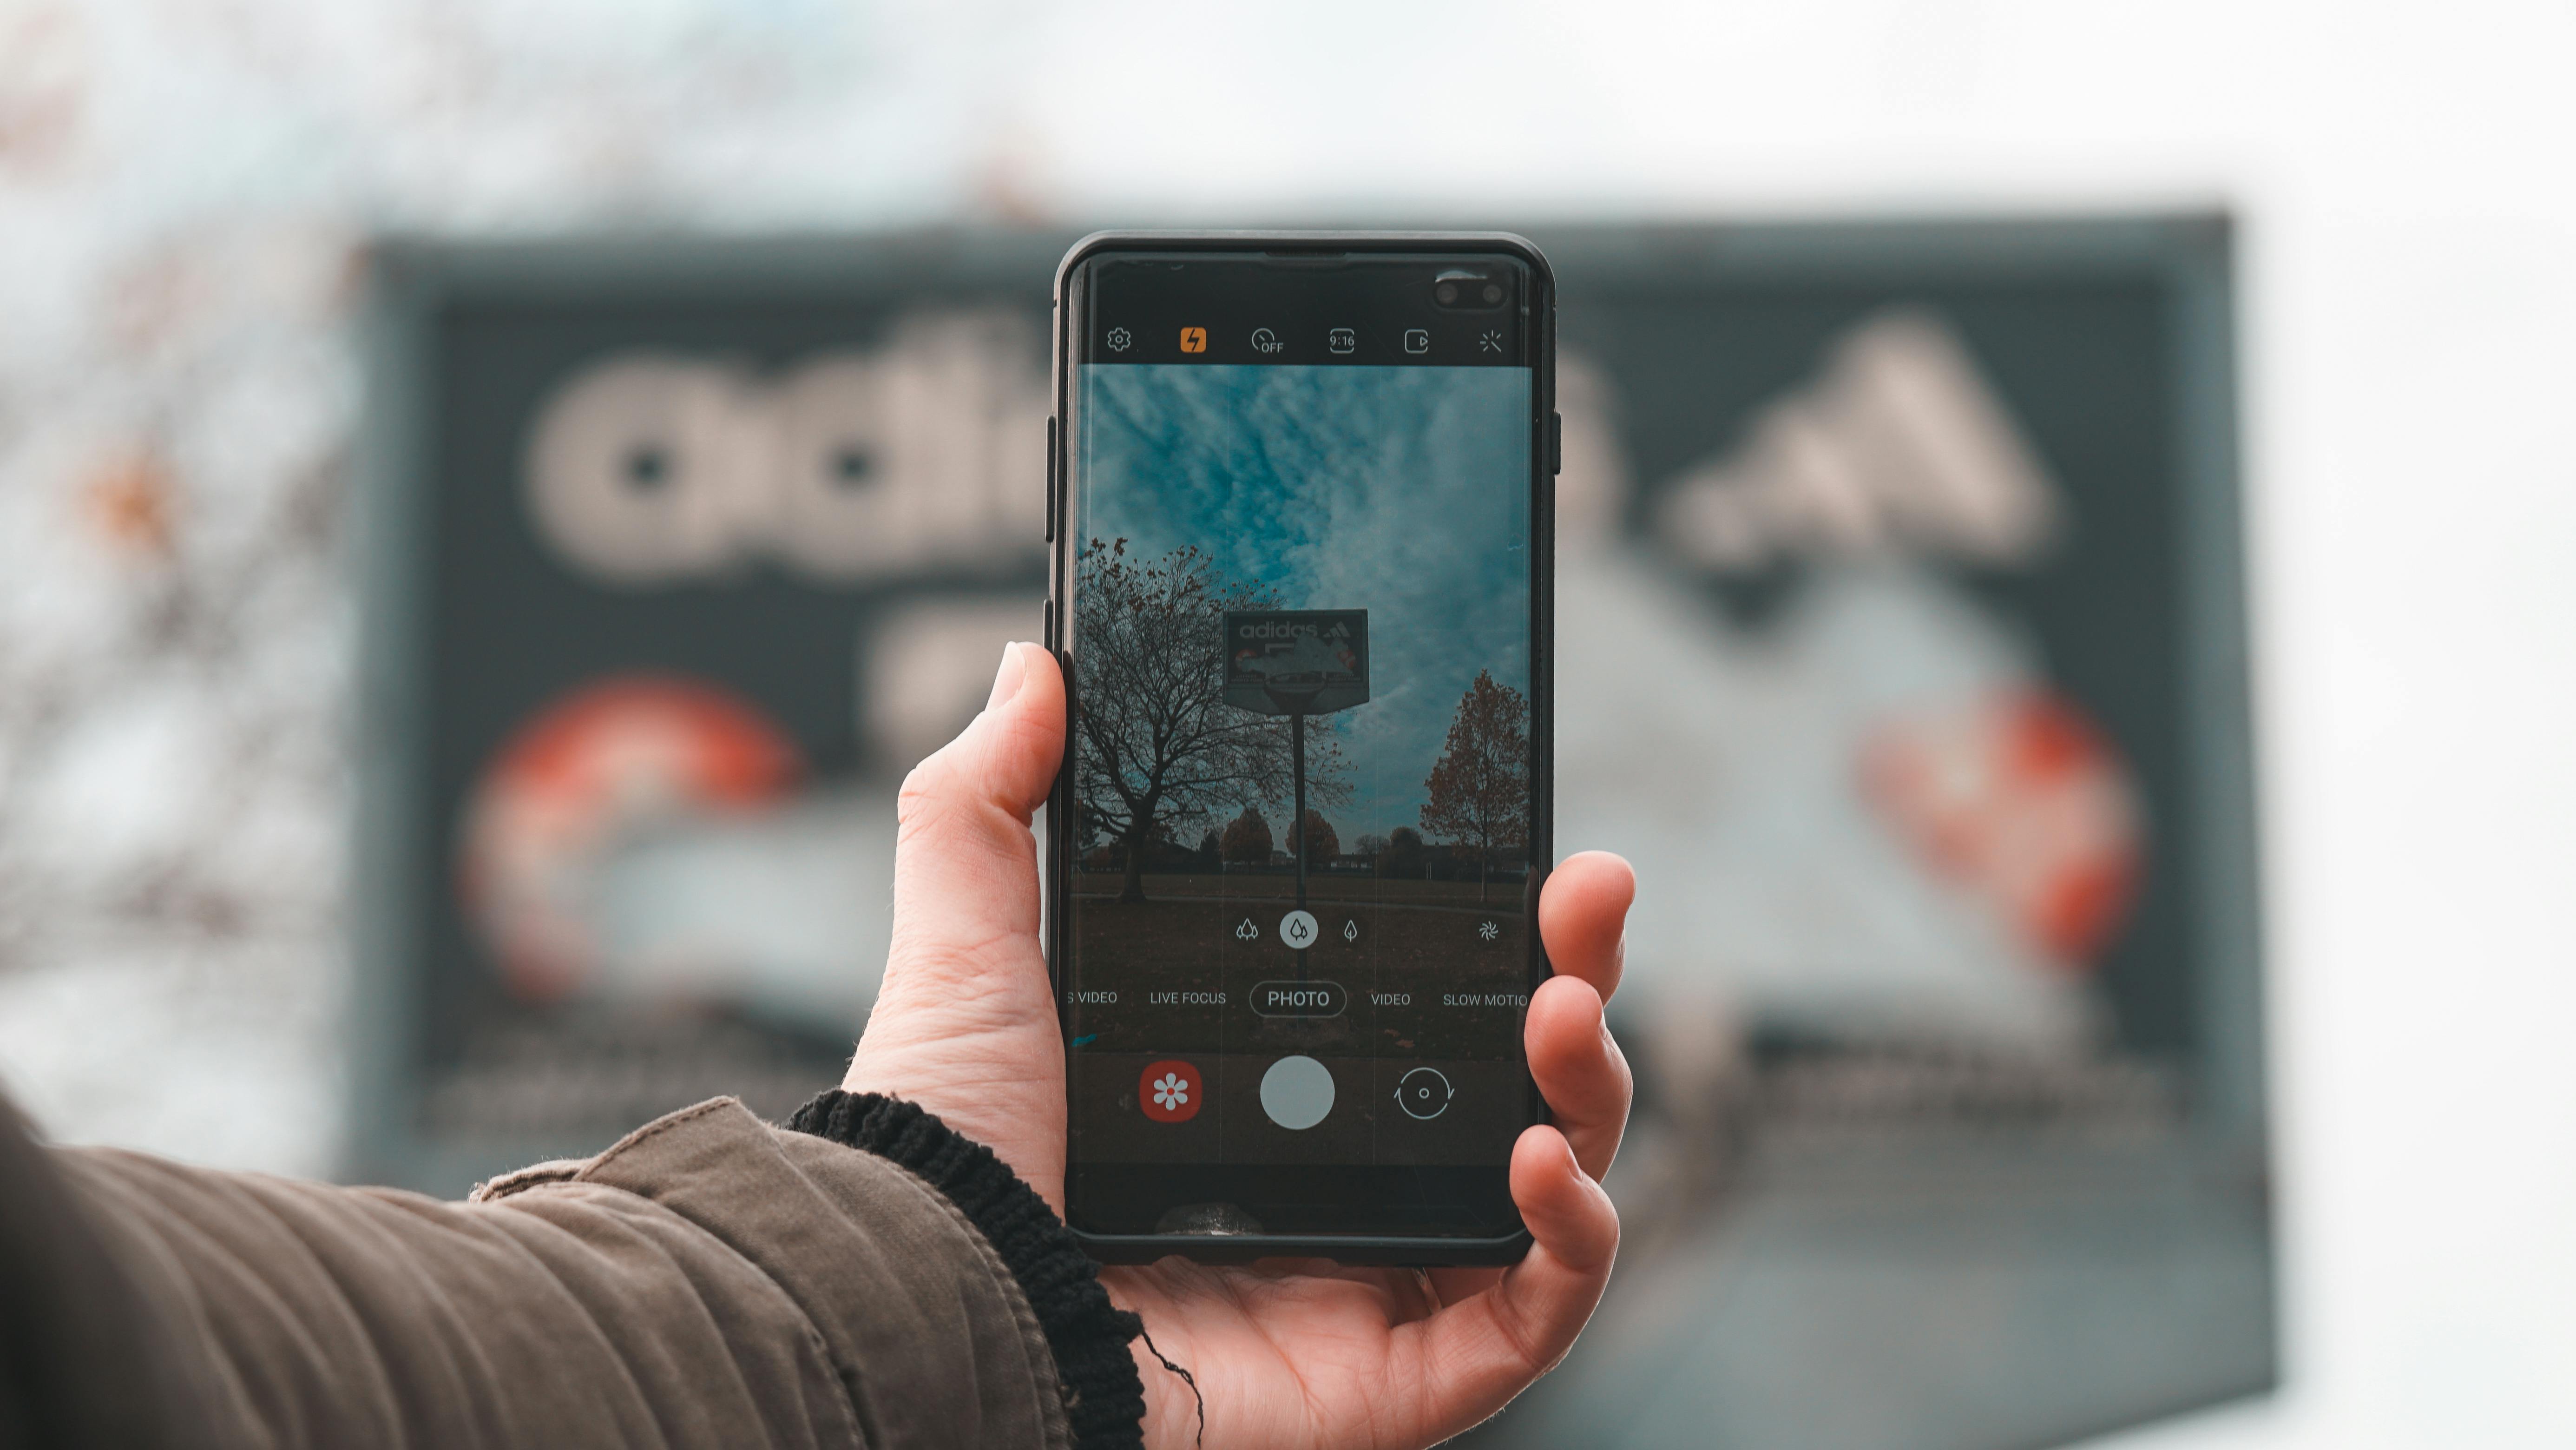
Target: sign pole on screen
x: 1297, y: 662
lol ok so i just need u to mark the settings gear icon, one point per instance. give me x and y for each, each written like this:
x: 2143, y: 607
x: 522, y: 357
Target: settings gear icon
x: 1120, y: 339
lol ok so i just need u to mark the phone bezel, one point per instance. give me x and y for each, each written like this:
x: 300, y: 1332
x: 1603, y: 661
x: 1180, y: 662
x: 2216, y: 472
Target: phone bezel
x: 1357, y: 1248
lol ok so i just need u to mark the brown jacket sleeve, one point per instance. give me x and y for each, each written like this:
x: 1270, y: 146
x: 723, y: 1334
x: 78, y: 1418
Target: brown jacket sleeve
x: 709, y: 1281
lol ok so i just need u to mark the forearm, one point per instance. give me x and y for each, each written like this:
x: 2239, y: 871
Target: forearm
x: 708, y: 1281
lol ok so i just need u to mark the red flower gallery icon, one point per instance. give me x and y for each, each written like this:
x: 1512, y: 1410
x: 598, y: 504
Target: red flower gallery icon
x: 1170, y: 1092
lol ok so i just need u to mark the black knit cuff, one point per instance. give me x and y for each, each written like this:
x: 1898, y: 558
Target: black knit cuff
x: 1103, y: 1396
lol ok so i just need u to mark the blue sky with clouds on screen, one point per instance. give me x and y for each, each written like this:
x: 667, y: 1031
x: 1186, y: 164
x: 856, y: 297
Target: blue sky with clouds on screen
x: 1403, y: 491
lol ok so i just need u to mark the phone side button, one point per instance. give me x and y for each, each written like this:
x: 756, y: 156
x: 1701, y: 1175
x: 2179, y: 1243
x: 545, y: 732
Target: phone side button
x: 1047, y: 615
x: 1555, y: 443
x: 1050, y: 481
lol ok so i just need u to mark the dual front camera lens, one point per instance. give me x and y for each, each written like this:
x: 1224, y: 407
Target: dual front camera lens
x: 1463, y: 289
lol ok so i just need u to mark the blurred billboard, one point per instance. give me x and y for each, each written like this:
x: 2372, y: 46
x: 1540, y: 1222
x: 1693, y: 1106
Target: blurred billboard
x: 1900, y: 645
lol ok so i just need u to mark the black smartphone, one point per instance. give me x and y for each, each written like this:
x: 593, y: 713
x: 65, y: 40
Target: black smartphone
x: 1301, y: 492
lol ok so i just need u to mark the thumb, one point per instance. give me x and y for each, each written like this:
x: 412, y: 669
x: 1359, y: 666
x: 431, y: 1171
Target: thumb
x: 965, y: 871
x: 965, y: 1025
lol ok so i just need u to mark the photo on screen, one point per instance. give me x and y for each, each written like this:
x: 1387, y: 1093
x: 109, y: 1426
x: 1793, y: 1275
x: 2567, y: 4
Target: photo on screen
x: 1294, y: 585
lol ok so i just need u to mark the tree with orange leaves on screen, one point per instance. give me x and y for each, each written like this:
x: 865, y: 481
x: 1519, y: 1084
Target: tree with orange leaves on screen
x: 1479, y: 791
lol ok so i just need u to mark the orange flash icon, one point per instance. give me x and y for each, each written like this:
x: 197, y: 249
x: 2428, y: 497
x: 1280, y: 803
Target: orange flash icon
x: 1193, y: 339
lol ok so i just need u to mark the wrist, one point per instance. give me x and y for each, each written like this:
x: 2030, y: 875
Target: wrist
x: 987, y: 1093
x: 1089, y: 1335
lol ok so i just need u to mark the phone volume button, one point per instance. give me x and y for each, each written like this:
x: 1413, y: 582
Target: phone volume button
x: 1555, y: 443
x: 1051, y: 504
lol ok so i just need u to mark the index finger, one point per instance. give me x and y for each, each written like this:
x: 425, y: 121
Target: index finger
x: 1583, y: 917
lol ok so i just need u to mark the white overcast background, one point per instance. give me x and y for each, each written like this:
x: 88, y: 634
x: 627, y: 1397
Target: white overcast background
x: 2407, y: 184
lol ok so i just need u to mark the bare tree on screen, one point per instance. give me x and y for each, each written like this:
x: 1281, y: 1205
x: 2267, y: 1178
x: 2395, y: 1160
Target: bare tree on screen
x: 1156, y: 747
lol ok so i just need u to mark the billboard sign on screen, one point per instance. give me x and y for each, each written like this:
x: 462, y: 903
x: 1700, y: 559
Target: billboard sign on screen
x: 1296, y: 661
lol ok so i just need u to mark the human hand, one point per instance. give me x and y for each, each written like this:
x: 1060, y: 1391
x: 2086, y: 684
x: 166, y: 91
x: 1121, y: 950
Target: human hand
x: 1285, y: 1352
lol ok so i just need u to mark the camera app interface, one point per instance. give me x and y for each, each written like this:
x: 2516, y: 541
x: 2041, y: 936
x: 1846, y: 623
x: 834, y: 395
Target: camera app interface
x: 1301, y: 640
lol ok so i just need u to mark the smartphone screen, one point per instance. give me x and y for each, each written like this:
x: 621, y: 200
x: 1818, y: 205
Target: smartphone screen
x: 1302, y: 591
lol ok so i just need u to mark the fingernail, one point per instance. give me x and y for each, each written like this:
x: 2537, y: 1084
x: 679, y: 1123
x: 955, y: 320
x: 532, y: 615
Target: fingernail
x: 1008, y: 679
